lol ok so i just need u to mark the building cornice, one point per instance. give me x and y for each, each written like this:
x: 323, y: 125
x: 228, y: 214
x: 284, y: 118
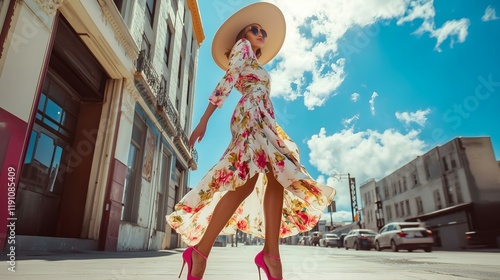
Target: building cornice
x: 197, y: 25
x: 113, y: 16
x: 49, y: 6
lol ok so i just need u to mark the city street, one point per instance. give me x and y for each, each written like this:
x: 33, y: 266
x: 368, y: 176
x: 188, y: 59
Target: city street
x: 300, y: 263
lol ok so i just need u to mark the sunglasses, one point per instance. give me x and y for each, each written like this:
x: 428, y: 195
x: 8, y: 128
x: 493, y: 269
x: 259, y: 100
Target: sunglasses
x: 255, y: 31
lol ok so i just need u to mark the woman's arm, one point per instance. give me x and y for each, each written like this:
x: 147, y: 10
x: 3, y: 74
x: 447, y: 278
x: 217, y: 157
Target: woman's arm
x: 240, y: 55
x: 200, y: 129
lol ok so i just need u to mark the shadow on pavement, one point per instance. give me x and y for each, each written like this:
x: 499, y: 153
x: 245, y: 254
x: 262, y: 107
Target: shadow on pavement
x: 87, y: 255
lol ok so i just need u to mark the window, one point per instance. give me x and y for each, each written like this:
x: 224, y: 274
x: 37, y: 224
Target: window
x: 405, y: 187
x: 186, y: 14
x: 458, y: 190
x: 388, y: 212
x: 437, y: 200
x: 394, y: 190
x: 150, y: 10
x: 47, y: 159
x: 188, y: 95
x: 179, y: 73
x: 402, y: 205
x: 396, y: 207
x: 179, y: 87
x: 163, y: 190
x: 453, y: 163
x: 132, y: 190
x: 399, y: 187
x: 415, y: 178
x: 427, y: 168
x: 174, y: 5
x: 119, y: 5
x: 449, y: 190
x: 408, y: 210
x: 445, y: 164
x: 176, y: 195
x: 386, y: 191
x: 168, y: 41
x: 420, y: 207
x: 146, y: 46
x: 193, y: 40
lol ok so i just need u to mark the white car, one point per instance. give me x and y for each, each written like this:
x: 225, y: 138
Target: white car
x: 329, y: 240
x: 404, y: 235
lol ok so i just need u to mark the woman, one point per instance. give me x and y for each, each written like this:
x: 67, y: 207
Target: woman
x: 259, y: 185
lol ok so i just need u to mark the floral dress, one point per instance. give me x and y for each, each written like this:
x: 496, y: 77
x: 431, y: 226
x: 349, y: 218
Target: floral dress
x: 256, y: 141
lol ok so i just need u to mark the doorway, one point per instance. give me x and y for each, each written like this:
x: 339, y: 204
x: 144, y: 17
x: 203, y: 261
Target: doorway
x: 56, y: 169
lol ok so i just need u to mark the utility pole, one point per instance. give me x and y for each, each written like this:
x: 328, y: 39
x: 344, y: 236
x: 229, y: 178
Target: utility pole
x: 352, y: 191
x: 332, y: 209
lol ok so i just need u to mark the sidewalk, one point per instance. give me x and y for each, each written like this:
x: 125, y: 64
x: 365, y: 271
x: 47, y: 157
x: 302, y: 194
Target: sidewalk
x: 224, y: 263
x: 299, y: 263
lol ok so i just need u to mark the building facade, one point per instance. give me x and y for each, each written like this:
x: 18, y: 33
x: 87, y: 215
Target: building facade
x: 453, y: 189
x: 96, y: 101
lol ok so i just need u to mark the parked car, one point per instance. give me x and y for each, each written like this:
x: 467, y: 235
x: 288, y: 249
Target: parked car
x: 404, y: 235
x: 341, y: 240
x: 485, y: 238
x: 329, y: 240
x: 360, y: 239
x: 304, y: 240
x: 221, y: 241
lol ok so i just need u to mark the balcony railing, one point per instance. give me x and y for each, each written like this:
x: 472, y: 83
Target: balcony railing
x: 150, y: 87
x: 144, y: 65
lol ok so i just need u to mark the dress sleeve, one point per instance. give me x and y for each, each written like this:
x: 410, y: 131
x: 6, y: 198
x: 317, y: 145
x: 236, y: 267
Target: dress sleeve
x: 240, y: 55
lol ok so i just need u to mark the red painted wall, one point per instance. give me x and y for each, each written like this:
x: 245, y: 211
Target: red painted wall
x: 12, y: 139
x: 110, y: 226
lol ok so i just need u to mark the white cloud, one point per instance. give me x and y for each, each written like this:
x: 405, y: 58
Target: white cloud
x: 337, y: 217
x: 424, y: 9
x: 364, y: 155
x: 355, y: 97
x: 459, y: 28
x: 489, y: 14
x: 305, y: 54
x: 347, y: 122
x: 419, y: 117
x: 372, y: 102
x: 314, y: 30
x: 320, y: 89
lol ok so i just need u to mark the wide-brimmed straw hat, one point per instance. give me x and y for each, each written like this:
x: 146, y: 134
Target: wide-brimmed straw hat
x: 267, y: 15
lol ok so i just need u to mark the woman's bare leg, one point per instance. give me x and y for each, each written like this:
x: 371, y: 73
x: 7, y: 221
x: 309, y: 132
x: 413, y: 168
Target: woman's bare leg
x: 222, y: 213
x: 273, y: 208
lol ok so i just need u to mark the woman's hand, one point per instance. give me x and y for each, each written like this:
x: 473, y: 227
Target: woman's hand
x: 197, y: 133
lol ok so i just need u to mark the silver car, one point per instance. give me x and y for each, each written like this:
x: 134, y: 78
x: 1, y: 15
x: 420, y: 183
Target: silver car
x: 360, y: 239
x: 404, y: 235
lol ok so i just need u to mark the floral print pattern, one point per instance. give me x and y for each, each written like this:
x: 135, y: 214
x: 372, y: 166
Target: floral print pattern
x: 257, y: 143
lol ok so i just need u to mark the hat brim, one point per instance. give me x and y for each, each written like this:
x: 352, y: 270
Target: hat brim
x: 266, y: 15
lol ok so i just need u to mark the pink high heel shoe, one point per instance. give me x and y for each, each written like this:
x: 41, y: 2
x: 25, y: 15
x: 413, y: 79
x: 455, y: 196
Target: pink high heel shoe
x: 259, y: 261
x: 186, y: 256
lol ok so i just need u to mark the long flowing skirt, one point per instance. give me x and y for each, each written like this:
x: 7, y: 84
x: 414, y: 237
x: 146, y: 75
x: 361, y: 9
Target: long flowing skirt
x: 256, y: 141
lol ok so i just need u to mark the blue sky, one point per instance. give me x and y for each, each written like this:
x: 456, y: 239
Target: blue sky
x: 363, y: 87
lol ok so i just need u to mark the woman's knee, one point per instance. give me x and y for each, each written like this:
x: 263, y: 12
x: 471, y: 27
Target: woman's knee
x: 271, y: 179
x: 248, y: 187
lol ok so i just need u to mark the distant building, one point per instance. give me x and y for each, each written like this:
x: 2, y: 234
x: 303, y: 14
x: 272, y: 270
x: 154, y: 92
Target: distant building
x: 453, y: 189
x: 96, y: 101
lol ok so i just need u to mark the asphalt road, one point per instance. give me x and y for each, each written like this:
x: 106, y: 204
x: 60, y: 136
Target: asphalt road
x: 299, y: 262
